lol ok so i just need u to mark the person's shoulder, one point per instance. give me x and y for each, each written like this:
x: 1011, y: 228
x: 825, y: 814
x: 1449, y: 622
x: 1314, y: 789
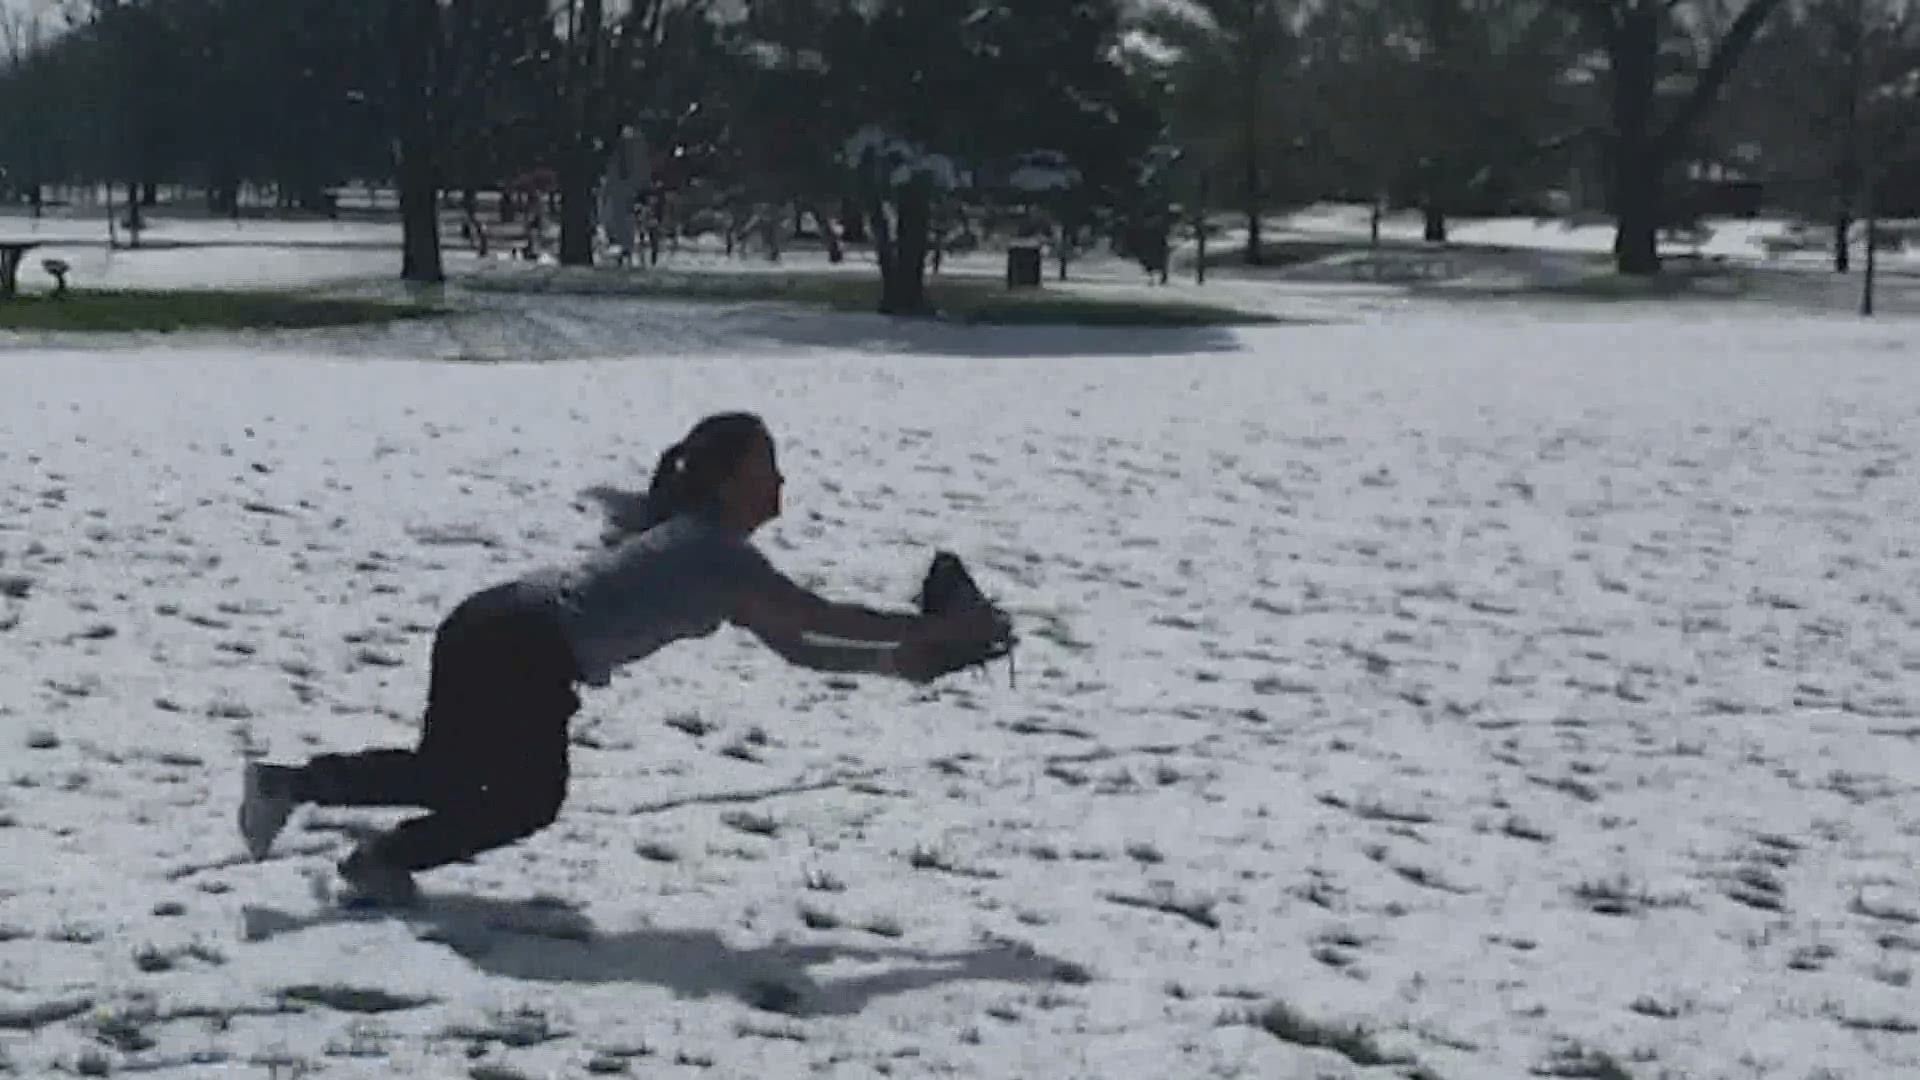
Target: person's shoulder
x: 725, y: 549
x: 720, y: 537
x: 686, y: 535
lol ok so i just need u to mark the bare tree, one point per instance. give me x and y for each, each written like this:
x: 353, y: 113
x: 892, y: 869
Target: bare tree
x: 441, y: 57
x: 1228, y: 64
x: 1850, y: 104
x: 1649, y: 128
x: 23, y: 36
x: 610, y: 70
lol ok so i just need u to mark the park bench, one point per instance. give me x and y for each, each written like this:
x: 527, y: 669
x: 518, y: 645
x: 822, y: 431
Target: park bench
x: 1402, y: 265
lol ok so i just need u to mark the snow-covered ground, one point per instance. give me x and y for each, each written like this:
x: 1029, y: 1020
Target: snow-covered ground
x: 202, y: 253
x: 1521, y: 684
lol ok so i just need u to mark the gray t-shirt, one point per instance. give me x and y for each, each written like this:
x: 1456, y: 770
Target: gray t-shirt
x: 677, y: 580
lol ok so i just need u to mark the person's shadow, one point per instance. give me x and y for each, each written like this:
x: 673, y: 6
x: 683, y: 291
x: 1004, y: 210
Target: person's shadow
x: 547, y: 941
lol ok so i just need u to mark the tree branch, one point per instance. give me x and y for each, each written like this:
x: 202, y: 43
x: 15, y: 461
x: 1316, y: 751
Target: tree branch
x: 1567, y: 138
x: 1601, y: 16
x: 1707, y: 85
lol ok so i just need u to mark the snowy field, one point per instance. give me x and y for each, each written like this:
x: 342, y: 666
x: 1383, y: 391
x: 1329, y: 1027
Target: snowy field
x: 1535, y: 692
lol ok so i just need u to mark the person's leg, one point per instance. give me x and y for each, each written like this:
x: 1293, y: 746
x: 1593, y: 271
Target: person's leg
x: 500, y: 776
x: 465, y: 658
x: 461, y: 658
x: 388, y: 777
x: 382, y: 777
x: 493, y: 759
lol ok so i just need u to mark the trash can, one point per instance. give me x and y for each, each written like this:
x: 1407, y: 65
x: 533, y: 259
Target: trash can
x: 1023, y: 266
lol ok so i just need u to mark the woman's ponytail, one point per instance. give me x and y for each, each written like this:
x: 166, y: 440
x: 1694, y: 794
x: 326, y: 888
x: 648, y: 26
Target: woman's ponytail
x: 687, y: 475
x: 667, y: 490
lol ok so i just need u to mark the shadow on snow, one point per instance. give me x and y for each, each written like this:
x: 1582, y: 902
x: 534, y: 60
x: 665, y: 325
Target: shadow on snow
x: 545, y: 940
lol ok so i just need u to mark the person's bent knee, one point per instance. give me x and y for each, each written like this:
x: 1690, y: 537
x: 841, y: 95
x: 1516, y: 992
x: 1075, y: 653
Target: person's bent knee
x: 529, y: 813
x: 541, y: 813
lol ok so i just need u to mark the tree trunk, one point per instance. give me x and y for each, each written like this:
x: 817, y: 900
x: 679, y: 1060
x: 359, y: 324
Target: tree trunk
x: 471, y: 223
x: 418, y: 176
x: 576, y: 206
x: 1250, y: 149
x: 1869, y: 196
x: 853, y: 221
x: 1873, y: 262
x: 1637, y: 164
x: 770, y: 232
x: 136, y: 221
x: 419, y: 223
x: 1636, y: 211
x: 658, y: 225
x: 586, y: 79
x: 414, y: 37
x: 1641, y: 150
x: 883, y: 253
x: 1846, y: 152
x: 1199, y: 232
x: 835, y: 253
x: 903, y: 257
x: 1199, y: 250
x: 1436, y: 221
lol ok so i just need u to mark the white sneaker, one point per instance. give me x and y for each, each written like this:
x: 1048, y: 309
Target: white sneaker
x: 264, y: 808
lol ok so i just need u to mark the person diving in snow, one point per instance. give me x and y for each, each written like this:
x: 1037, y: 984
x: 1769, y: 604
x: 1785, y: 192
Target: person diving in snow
x: 490, y: 767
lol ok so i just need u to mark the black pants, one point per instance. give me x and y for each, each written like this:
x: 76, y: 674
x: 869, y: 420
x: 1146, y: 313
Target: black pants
x: 491, y: 765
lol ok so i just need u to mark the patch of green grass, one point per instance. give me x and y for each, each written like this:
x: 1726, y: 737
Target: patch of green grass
x: 978, y: 301
x: 1677, y: 281
x: 142, y: 310
x: 997, y: 307
x: 1293, y: 251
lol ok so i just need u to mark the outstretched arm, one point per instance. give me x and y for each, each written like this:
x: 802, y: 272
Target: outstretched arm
x: 775, y: 606
x: 807, y: 629
x: 858, y: 657
x: 812, y: 631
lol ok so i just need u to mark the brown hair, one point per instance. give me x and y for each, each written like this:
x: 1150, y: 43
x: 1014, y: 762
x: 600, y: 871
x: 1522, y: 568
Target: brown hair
x: 690, y: 472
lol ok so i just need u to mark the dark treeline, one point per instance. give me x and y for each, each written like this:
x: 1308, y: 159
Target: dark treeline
x: 911, y: 125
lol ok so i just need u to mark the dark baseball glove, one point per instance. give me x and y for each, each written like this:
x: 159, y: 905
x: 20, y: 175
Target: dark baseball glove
x: 948, y: 587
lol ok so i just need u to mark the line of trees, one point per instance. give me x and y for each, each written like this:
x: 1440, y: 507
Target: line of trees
x: 888, y: 121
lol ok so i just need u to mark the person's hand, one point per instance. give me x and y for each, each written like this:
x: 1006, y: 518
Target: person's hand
x: 959, y: 627
x: 955, y: 640
x: 976, y: 624
x: 915, y: 662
